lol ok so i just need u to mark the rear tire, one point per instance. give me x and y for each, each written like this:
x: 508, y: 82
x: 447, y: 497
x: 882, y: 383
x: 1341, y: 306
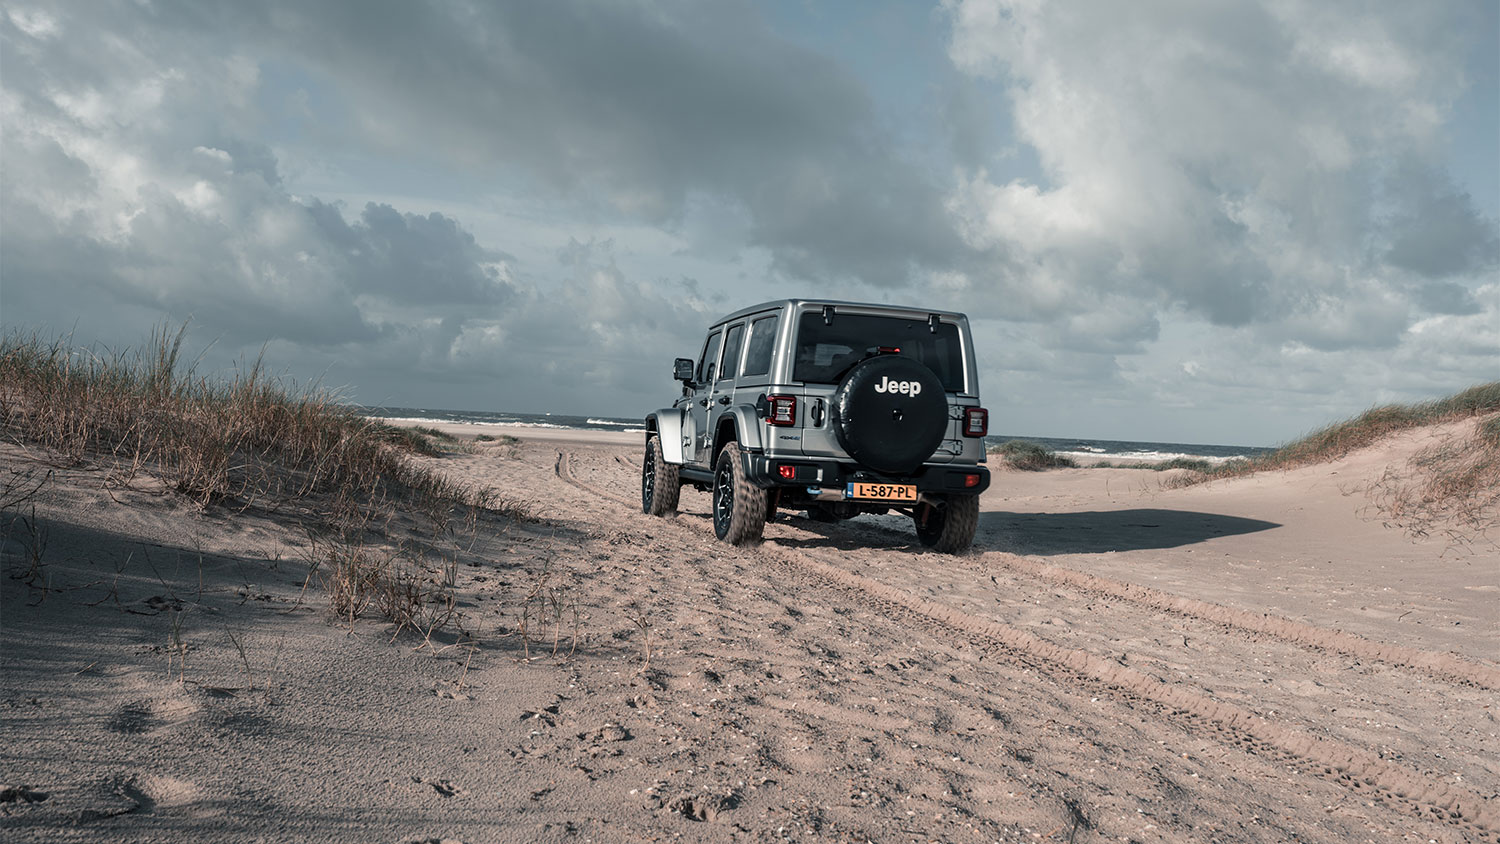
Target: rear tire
x: 948, y: 527
x: 661, y: 486
x: 739, y: 506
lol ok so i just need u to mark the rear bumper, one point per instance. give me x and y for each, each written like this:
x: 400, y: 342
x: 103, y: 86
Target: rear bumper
x: 763, y: 471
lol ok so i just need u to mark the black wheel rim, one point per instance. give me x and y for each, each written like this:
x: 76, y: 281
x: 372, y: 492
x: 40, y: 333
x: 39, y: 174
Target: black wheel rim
x: 723, y: 498
x: 648, y: 479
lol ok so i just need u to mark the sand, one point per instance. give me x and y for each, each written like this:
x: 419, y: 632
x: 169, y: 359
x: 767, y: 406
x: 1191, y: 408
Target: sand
x: 1252, y: 660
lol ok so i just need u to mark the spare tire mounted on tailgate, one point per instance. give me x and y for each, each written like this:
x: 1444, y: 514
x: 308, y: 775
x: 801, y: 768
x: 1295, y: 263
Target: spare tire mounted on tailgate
x: 890, y: 413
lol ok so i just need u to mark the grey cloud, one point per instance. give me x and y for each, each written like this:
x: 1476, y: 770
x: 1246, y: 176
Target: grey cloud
x: 409, y: 258
x: 640, y: 106
x: 1446, y: 297
x: 1438, y: 233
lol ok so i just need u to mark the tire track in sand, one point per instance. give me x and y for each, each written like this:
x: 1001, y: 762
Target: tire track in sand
x: 1444, y: 666
x: 1441, y: 665
x: 564, y: 470
x: 1363, y: 772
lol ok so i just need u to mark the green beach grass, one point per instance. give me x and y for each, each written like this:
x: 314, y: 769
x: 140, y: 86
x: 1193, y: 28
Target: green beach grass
x: 1031, y: 457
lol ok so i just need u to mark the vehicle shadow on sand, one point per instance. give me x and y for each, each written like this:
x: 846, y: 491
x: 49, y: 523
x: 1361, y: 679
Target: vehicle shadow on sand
x: 1102, y: 531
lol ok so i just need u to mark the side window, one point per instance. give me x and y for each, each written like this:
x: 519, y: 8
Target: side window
x: 732, y: 343
x: 762, y: 343
x: 708, y: 358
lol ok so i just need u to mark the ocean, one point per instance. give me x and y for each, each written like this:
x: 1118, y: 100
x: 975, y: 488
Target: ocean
x: 1081, y: 449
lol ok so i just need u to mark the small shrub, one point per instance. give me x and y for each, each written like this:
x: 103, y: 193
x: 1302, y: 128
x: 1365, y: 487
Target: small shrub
x: 1452, y: 487
x: 410, y: 439
x: 1195, y: 464
x: 1032, y: 457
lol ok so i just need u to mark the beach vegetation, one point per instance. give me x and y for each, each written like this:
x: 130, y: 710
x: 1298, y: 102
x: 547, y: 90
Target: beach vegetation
x: 1031, y: 457
x: 501, y: 439
x: 244, y: 441
x: 1341, y: 438
x: 1192, y: 464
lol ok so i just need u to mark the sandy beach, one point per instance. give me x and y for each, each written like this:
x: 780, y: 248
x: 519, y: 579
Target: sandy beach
x: 1256, y: 659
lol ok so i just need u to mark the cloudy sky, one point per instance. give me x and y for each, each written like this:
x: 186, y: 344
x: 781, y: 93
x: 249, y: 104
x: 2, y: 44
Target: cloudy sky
x: 1222, y: 222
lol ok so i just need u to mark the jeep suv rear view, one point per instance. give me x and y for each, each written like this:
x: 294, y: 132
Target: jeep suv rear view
x: 835, y: 408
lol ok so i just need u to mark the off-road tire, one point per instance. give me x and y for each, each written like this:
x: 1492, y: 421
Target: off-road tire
x: 661, y: 485
x: 948, y: 527
x: 739, y: 507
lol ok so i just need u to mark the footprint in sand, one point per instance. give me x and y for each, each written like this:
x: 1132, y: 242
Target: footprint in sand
x: 133, y: 719
x: 444, y: 788
x: 144, y: 716
x: 21, y: 794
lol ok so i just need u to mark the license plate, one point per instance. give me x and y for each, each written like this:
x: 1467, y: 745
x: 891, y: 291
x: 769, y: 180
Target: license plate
x: 881, y: 492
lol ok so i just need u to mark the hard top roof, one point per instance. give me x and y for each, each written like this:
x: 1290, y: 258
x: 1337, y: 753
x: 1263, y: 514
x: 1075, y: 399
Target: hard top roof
x: 905, y: 310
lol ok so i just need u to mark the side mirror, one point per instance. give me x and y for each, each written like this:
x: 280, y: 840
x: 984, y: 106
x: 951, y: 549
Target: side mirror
x: 682, y: 370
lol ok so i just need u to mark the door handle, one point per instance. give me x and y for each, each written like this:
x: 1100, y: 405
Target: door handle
x: 703, y: 402
x: 723, y: 399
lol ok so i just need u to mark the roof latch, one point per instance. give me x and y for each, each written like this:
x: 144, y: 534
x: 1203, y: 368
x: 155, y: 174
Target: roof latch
x: 932, y: 323
x: 828, y: 315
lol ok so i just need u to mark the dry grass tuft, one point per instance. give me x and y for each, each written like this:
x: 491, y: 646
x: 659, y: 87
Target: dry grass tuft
x: 246, y: 441
x: 1341, y: 438
x: 1451, y: 488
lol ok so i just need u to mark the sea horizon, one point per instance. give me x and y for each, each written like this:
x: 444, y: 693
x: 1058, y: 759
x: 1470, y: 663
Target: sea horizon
x: 1082, y: 447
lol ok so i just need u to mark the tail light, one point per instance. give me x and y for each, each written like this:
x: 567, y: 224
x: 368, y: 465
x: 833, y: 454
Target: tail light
x: 782, y: 410
x: 976, y: 422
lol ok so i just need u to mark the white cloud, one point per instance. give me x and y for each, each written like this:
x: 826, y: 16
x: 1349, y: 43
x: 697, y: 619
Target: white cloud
x: 1238, y: 160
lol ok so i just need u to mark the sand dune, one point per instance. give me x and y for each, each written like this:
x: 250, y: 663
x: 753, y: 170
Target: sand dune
x: 1257, y: 659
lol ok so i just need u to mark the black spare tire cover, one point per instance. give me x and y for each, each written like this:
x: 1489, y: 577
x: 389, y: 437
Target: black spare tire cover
x: 890, y: 413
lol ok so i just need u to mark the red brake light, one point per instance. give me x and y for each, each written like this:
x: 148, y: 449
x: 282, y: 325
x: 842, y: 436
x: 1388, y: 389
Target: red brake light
x: 782, y: 410
x: 786, y: 472
x: 976, y: 422
x: 971, y: 480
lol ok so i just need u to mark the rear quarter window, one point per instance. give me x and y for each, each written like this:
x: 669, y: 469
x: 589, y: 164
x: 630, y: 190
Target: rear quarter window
x: 762, y: 344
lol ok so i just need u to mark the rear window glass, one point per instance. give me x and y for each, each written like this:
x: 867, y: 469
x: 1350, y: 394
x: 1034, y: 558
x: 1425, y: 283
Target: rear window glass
x: 826, y: 352
x: 762, y: 343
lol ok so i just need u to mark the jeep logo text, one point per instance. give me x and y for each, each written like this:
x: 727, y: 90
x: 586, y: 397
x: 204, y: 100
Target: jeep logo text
x: 905, y: 388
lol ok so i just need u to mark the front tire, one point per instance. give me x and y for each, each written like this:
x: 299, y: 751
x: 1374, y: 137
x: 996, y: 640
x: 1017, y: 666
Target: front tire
x: 949, y: 526
x: 739, y: 506
x: 661, y: 485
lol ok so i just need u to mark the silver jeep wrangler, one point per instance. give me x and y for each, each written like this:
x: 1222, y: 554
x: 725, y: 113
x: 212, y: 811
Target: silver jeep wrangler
x: 836, y: 408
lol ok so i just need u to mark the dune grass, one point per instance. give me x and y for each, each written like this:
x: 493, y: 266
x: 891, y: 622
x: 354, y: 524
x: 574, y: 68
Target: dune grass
x: 1450, y: 487
x: 1031, y: 457
x: 1339, y: 439
x: 1194, y: 464
x: 245, y: 441
x: 217, y: 441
